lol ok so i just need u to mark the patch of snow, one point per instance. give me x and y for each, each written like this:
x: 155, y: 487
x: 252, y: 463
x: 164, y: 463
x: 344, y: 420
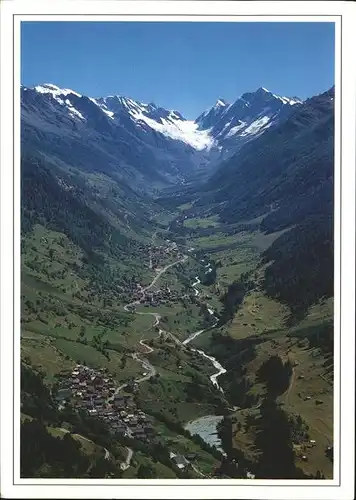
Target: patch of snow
x: 109, y: 113
x: 235, y: 129
x: 73, y: 111
x: 49, y: 88
x: 57, y: 94
x: 182, y: 130
x: 103, y: 108
x: 287, y: 100
x: 256, y: 126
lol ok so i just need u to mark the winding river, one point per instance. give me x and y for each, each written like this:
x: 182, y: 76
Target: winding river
x: 214, y: 361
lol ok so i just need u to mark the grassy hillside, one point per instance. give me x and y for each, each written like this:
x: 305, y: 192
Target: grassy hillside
x: 260, y: 329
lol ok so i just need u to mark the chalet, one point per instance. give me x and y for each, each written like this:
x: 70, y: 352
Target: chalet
x: 180, y: 460
x: 98, y: 382
x: 119, y: 403
x: 63, y: 394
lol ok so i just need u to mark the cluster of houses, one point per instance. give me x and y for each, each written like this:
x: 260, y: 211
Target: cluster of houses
x: 155, y: 298
x: 160, y: 253
x: 95, y: 392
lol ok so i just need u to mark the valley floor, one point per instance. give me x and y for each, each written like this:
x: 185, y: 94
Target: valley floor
x: 159, y: 341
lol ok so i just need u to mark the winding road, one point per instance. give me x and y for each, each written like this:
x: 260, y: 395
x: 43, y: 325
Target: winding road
x: 125, y: 465
x: 149, y: 348
x: 147, y: 366
x: 162, y: 271
x: 144, y: 362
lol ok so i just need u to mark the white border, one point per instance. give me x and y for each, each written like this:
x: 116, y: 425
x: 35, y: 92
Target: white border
x: 276, y: 489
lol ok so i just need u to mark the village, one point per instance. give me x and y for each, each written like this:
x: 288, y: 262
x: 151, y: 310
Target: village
x: 154, y: 298
x: 159, y: 256
x: 95, y: 392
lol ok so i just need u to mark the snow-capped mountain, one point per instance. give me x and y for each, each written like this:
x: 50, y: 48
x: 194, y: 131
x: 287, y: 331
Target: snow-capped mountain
x: 123, y: 110
x: 142, y: 144
x: 144, y: 141
x: 211, y: 116
x: 231, y: 126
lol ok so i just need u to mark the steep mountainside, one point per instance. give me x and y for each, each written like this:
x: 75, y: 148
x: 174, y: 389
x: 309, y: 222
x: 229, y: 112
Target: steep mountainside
x: 82, y: 132
x: 232, y: 126
x: 286, y: 176
x: 280, y: 166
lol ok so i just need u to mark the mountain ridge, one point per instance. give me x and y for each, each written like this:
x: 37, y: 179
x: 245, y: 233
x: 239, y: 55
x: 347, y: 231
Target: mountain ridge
x: 203, y: 133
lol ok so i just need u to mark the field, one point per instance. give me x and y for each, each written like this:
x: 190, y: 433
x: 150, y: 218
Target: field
x: 206, y: 222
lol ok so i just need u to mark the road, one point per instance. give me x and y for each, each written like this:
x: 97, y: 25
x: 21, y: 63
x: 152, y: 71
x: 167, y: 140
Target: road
x: 125, y: 465
x: 150, y: 252
x: 197, y: 470
x: 162, y: 271
x: 146, y: 365
x: 136, y: 355
x: 107, y: 453
x: 153, y: 282
x: 149, y: 348
x: 290, y: 386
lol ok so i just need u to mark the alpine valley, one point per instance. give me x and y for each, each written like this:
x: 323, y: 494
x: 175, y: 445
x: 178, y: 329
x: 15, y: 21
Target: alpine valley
x: 176, y: 287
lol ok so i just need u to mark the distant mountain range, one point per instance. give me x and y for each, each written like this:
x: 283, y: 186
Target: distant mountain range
x: 143, y: 144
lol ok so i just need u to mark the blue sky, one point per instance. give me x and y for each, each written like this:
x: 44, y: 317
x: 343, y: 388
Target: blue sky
x: 183, y: 66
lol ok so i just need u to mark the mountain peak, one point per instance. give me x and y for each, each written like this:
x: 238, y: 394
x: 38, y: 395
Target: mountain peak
x: 50, y: 88
x: 220, y: 103
x: 262, y: 90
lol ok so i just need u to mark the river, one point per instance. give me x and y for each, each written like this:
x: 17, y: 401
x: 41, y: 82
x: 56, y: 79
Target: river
x: 214, y: 361
x: 206, y: 428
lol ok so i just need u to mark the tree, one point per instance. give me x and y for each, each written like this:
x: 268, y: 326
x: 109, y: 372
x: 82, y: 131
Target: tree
x: 145, y: 472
